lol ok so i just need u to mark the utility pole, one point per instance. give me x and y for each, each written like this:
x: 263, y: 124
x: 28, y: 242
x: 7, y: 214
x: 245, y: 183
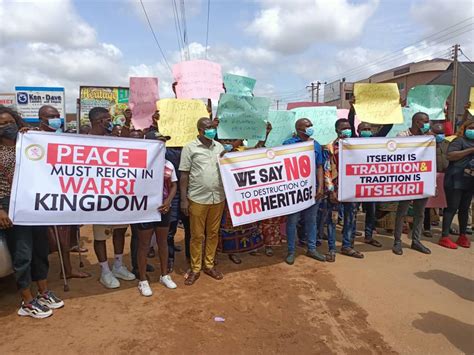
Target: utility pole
x: 455, y: 51
x: 315, y: 87
x: 278, y: 101
x: 312, y: 91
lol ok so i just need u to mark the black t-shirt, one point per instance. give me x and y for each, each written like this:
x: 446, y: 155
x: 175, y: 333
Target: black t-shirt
x: 455, y: 176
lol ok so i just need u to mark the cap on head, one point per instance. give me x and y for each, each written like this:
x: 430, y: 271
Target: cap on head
x: 157, y: 136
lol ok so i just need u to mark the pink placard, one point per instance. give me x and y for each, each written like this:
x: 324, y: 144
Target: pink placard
x: 438, y: 201
x: 142, y: 100
x: 344, y: 113
x: 292, y: 105
x: 198, y: 79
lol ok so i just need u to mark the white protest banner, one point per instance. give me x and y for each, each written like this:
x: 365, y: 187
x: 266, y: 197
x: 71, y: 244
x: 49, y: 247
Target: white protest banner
x: 387, y: 169
x: 142, y: 100
x: 265, y: 183
x: 29, y: 100
x: 63, y: 179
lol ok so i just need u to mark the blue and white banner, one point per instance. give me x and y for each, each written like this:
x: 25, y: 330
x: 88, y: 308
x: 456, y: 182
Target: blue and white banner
x: 29, y: 99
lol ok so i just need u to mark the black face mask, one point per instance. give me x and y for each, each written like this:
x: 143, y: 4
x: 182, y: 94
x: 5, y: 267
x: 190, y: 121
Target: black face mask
x: 9, y: 131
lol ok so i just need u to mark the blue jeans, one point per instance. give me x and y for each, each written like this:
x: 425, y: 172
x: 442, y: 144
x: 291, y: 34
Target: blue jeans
x: 310, y: 227
x: 29, y: 249
x: 325, y: 217
x: 349, y: 226
x: 369, y: 219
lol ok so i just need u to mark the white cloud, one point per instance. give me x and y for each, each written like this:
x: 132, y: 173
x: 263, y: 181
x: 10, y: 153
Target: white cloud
x: 292, y: 26
x: 43, y: 51
x: 52, y: 21
x: 436, y: 15
x: 161, y: 12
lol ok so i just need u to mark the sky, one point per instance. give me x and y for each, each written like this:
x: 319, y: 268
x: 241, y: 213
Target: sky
x: 284, y: 44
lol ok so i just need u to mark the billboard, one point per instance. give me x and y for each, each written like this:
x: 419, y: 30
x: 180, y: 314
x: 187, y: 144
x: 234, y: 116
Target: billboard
x: 29, y: 100
x: 115, y: 99
x: 332, y: 91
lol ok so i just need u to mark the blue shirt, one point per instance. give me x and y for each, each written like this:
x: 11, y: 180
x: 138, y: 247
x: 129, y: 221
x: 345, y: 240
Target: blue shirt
x: 318, y: 152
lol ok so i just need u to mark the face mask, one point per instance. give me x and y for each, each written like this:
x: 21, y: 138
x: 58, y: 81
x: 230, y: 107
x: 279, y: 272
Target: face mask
x: 55, y: 123
x: 346, y: 133
x: 469, y: 133
x: 365, y: 134
x: 309, y: 131
x: 9, y: 131
x: 440, y: 138
x: 109, y: 127
x: 425, y: 128
x: 210, y: 133
x: 228, y: 147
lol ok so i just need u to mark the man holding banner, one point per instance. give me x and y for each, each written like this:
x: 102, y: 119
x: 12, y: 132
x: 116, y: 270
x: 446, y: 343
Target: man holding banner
x: 420, y: 125
x: 50, y: 122
x: 333, y: 174
x: 101, y: 123
x: 202, y: 198
x: 304, y: 130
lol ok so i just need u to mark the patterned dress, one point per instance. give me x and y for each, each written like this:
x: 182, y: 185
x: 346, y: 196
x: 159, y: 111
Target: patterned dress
x: 7, y: 168
x: 233, y: 240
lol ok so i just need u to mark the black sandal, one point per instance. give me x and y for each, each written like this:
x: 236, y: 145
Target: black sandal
x: 352, y: 253
x: 331, y: 257
x: 373, y: 242
x: 235, y: 259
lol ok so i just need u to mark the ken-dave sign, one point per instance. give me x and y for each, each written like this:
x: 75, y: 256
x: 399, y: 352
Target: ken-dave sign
x: 265, y: 183
x: 72, y: 179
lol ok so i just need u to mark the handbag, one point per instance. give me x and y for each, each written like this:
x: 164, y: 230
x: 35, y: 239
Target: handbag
x: 6, y: 266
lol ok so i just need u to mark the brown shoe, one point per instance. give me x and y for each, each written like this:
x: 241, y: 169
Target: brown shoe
x: 217, y: 275
x: 192, y: 278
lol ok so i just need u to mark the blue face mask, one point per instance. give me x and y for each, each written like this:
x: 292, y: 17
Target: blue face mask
x: 440, y: 137
x: 309, y: 131
x: 109, y: 127
x: 346, y: 133
x: 228, y: 147
x: 210, y: 133
x: 55, y: 123
x: 365, y: 134
x: 425, y: 128
x: 469, y: 133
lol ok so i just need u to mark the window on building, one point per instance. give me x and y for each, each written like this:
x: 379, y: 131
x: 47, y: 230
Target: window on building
x: 349, y: 95
x: 401, y: 86
x: 401, y: 71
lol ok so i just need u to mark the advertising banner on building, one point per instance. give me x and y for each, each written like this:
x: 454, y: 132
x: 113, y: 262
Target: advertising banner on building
x: 63, y: 179
x: 29, y: 100
x: 115, y: 99
x: 8, y: 100
x: 265, y: 183
x: 387, y: 169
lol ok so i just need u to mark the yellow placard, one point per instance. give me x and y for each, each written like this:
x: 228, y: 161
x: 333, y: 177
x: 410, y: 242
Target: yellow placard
x: 178, y: 119
x: 378, y: 103
x: 471, y: 100
x: 451, y: 138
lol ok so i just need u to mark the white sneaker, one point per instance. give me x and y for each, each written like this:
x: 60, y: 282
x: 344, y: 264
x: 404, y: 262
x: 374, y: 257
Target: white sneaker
x: 144, y: 288
x: 109, y: 280
x: 123, y: 273
x: 34, y: 309
x: 166, y: 280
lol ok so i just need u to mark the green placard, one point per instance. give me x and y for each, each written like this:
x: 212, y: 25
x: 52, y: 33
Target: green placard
x: 430, y: 99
